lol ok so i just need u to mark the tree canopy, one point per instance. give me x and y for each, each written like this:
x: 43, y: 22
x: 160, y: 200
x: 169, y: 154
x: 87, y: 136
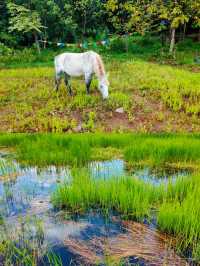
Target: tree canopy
x: 22, y: 21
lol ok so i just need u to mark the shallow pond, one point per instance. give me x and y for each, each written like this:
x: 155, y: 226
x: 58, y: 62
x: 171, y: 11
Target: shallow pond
x: 117, y: 168
x: 85, y: 240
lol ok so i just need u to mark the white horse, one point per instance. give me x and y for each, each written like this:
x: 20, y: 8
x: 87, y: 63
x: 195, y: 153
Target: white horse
x: 81, y: 64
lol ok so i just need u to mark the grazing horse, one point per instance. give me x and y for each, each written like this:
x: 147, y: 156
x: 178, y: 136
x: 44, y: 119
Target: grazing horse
x: 81, y: 64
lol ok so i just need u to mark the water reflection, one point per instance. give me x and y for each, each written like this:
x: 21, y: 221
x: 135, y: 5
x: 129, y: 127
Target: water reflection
x: 107, y: 169
x: 117, y: 168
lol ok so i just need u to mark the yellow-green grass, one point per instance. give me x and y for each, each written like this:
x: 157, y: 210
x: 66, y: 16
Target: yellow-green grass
x: 154, y: 97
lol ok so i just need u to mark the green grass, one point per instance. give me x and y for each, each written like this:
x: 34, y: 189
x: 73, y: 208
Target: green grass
x: 160, y: 151
x: 127, y: 196
x: 7, y: 168
x: 79, y: 149
x: 155, y: 95
x: 180, y: 216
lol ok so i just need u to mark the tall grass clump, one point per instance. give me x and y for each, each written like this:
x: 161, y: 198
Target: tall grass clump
x: 11, y: 140
x: 127, y: 196
x: 181, y: 218
x: 7, y: 168
x: 176, y: 190
x: 161, y: 151
x: 54, y: 149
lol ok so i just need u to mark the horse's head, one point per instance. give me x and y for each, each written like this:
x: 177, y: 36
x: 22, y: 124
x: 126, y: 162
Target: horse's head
x: 103, y: 86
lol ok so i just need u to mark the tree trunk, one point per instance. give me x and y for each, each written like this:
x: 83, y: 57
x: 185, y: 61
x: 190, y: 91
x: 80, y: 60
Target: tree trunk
x: 45, y: 33
x: 172, y: 43
x: 184, y: 31
x: 84, y: 23
x: 199, y: 36
x: 126, y: 42
x: 37, y: 43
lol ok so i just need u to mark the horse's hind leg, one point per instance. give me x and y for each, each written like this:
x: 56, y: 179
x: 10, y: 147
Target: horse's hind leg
x: 88, y: 80
x: 68, y: 84
x: 57, y: 81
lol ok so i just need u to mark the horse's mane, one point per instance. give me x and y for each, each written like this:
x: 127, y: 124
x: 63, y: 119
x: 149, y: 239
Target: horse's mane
x: 100, y: 69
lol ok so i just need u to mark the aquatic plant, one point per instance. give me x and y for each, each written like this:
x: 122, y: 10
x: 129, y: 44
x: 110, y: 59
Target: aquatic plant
x: 128, y: 196
x: 177, y: 203
x: 8, y: 169
x: 180, y: 216
x: 25, y: 246
x: 158, y: 151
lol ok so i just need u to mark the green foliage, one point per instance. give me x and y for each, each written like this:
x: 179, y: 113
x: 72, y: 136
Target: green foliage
x: 89, y: 123
x: 4, y: 50
x: 24, y: 246
x: 92, y: 18
x: 23, y: 19
x: 119, y: 99
x: 176, y: 202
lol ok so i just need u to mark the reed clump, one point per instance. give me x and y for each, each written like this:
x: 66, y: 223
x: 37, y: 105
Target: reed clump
x: 180, y: 217
x: 128, y: 196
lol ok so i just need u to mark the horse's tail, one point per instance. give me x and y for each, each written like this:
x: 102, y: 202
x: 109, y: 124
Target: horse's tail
x: 99, y: 66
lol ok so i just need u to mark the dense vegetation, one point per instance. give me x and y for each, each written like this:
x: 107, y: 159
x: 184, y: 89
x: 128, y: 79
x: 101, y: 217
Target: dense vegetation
x: 22, y: 23
x: 79, y: 149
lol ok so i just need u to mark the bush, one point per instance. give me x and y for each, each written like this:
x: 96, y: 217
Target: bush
x: 4, y: 50
x: 118, y: 45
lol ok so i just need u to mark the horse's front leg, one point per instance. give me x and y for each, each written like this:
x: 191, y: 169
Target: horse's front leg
x: 68, y: 84
x: 88, y: 80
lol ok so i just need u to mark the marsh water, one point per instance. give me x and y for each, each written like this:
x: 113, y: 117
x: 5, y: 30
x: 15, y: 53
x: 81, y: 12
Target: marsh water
x: 85, y: 240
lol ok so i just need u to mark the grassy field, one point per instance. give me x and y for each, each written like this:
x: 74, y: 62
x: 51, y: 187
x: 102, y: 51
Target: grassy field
x: 156, y: 94
x: 158, y: 150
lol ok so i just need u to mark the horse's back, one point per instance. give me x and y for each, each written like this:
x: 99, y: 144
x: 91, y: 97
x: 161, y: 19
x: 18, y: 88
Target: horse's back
x: 75, y: 64
x: 74, y: 56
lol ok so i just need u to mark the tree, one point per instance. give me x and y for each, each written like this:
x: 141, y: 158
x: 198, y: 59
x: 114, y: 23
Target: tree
x: 57, y: 17
x: 176, y: 13
x: 89, y: 15
x: 118, y: 14
x: 195, y: 11
x: 24, y: 20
